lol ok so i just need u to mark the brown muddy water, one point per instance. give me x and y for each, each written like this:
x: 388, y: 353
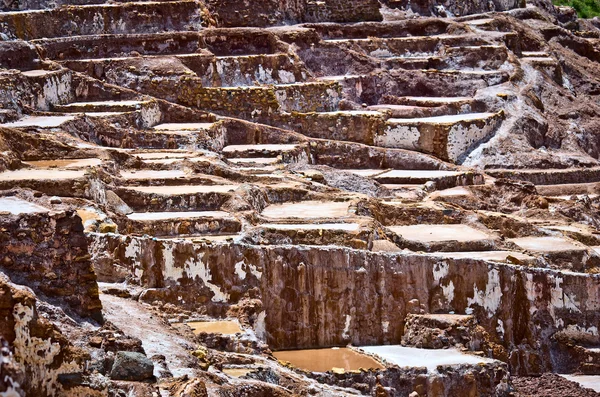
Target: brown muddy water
x: 322, y: 360
x: 215, y: 327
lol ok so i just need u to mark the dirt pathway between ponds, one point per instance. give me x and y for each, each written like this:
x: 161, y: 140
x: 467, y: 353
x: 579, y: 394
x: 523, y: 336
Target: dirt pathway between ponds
x: 134, y: 319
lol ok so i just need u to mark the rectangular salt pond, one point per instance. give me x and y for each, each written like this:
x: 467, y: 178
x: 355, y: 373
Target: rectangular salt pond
x: 307, y: 209
x: 322, y: 360
x: 437, y: 233
x: 17, y: 206
x: 430, y: 358
x: 163, y: 216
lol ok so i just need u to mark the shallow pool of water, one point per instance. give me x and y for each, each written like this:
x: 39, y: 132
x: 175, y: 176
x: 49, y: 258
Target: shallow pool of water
x: 322, y: 360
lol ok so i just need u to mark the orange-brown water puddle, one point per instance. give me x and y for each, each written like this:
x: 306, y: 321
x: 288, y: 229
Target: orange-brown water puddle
x: 215, y: 327
x: 321, y: 360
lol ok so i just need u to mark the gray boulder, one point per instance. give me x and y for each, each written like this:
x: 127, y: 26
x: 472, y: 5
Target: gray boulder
x: 131, y: 366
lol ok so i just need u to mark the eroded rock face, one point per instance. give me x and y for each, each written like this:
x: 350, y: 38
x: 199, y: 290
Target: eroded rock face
x: 49, y: 253
x: 38, y: 348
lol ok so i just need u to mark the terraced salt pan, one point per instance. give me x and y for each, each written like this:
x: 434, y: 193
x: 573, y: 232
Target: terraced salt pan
x: 40, y: 174
x: 449, y: 119
x: 38, y: 72
x: 535, y: 54
x: 365, y: 172
x: 430, y: 358
x: 164, y: 155
x: 499, y: 256
x: 162, y: 216
x: 452, y: 192
x: 182, y: 126
x: 255, y: 160
x: 66, y: 163
x: 437, y: 233
x: 225, y: 327
x: 17, y: 206
x: 418, y: 174
x: 40, y: 121
x: 259, y: 147
x: 440, y: 100
x: 547, y: 244
x: 479, y: 22
x: 203, y: 237
x: 152, y: 174
x: 322, y: 360
x: 587, y: 381
x: 349, y: 227
x: 307, y: 210
x: 125, y: 104
x: 170, y: 161
x: 184, y: 189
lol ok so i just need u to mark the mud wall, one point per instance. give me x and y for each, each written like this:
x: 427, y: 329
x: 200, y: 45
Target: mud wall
x: 49, y: 253
x: 322, y: 296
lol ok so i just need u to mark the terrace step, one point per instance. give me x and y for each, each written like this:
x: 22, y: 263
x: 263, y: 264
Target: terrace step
x: 480, y: 57
x: 145, y: 113
x: 67, y: 164
x: 562, y: 252
x: 447, y: 137
x: 480, y: 78
x: 586, y: 381
x: 446, y: 237
x: 214, y: 71
x: 406, y: 46
x: 55, y: 182
x: 180, y: 223
x: 494, y: 256
x: 102, y: 106
x: 217, y: 42
x: 430, y: 358
x: 442, y: 179
x: 308, y: 210
x: 135, y: 17
x: 259, y: 151
x: 352, y: 235
x: 176, y: 197
x: 162, y: 177
x: 550, y: 176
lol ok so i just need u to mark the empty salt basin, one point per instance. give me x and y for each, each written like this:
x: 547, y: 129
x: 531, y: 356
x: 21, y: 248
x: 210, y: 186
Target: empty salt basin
x: 224, y: 327
x: 184, y: 189
x: 547, y: 244
x: 438, y: 233
x: 587, y: 381
x: 65, y: 163
x: 40, y: 174
x: 151, y: 174
x: 162, y: 216
x: 347, y: 227
x: 323, y: 360
x: 161, y: 155
x: 429, y: 358
x: 496, y: 256
x: 216, y: 238
x: 40, y: 121
x: 17, y: 206
x: 308, y: 209
x: 182, y: 126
